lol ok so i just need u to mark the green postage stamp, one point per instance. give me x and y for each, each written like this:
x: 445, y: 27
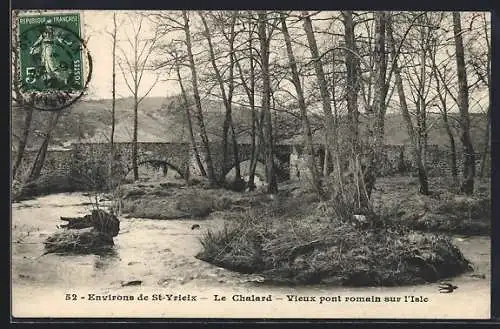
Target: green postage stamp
x: 51, y: 53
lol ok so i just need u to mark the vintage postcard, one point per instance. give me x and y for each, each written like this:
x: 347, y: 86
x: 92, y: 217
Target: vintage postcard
x: 251, y: 164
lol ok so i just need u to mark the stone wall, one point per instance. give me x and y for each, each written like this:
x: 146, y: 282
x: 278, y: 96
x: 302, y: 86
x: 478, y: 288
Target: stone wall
x: 396, y: 159
x: 55, y: 160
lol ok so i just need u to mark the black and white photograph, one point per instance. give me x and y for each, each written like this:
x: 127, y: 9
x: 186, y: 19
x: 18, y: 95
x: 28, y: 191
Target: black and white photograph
x: 250, y: 164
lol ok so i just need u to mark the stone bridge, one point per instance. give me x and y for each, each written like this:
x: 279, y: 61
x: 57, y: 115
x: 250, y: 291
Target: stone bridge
x: 177, y: 156
x: 93, y: 159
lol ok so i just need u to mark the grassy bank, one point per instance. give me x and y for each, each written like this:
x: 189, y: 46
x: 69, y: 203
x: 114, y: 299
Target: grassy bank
x: 291, y: 247
x: 441, y: 211
x: 175, y: 200
x: 396, y: 199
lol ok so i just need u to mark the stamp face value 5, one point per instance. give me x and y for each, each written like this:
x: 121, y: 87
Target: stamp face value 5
x: 51, y: 52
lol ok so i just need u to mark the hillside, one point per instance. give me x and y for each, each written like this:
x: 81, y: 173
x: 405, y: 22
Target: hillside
x: 164, y: 120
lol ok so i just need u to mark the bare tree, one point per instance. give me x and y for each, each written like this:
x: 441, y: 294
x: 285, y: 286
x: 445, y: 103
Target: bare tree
x: 113, y: 35
x: 467, y: 186
x: 197, y: 99
x: 322, y: 83
x: 306, y: 127
x: 376, y: 111
x: 248, y: 81
x: 352, y: 79
x: 414, y: 140
x: 442, y: 82
x: 227, y: 95
x: 187, y: 107
x: 265, y: 40
x: 136, y: 64
x: 481, y: 63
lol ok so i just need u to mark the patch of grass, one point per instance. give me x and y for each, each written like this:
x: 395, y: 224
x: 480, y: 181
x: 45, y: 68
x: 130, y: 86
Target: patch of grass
x: 157, y: 201
x: 152, y: 207
x: 233, y: 248
x: 131, y: 191
x: 442, y: 211
x: 456, y: 215
x: 297, y: 251
x: 160, y: 201
x: 194, y: 204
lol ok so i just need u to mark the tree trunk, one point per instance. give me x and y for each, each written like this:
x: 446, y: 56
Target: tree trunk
x: 136, y: 80
x: 422, y: 119
x: 237, y: 168
x: 254, y: 152
x: 336, y: 127
x: 376, y: 112
x: 189, y: 121
x: 453, y: 149
x: 306, y: 128
x: 417, y: 151
x: 36, y: 169
x: 236, y: 154
x: 250, y: 91
x: 199, y: 111
x: 266, y: 106
x: 323, y: 87
x: 467, y: 186
x: 255, y: 146
x: 134, y: 140
x: 113, y: 106
x: 352, y: 73
x: 487, y: 138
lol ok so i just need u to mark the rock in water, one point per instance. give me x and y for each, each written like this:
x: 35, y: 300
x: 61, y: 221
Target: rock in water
x: 88, y: 234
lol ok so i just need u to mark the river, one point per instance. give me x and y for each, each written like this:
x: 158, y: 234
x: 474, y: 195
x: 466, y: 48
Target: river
x: 160, y: 253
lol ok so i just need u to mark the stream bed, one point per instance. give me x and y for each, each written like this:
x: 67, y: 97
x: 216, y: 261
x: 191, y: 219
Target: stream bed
x: 160, y: 254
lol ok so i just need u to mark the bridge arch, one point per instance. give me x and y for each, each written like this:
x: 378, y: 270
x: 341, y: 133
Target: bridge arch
x: 281, y: 162
x: 159, y: 164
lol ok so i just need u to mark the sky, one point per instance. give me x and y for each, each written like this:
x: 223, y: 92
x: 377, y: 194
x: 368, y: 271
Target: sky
x: 96, y: 26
